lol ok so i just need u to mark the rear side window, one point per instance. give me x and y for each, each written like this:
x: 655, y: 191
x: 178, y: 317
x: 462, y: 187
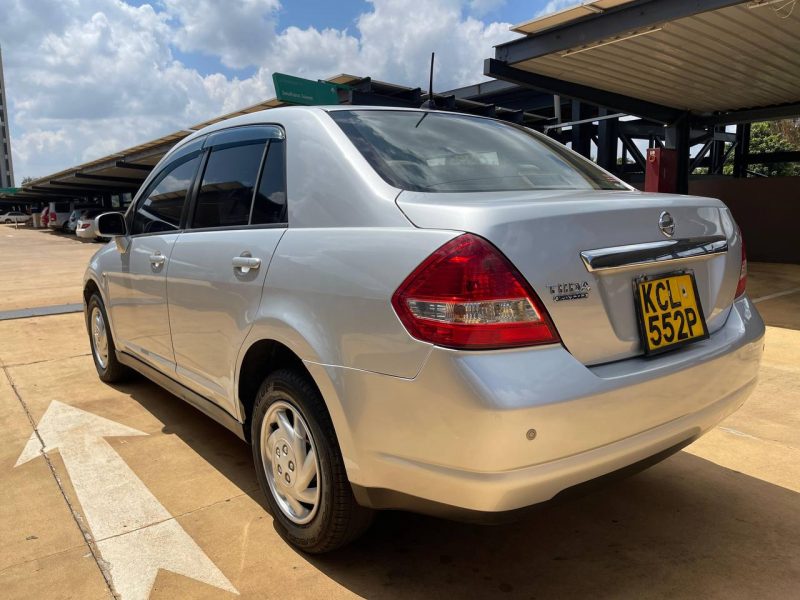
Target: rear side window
x: 226, y: 192
x: 161, y: 210
x: 270, y: 201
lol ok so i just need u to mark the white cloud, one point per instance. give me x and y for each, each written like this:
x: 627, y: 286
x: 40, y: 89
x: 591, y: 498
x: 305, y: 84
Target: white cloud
x: 239, y: 32
x: 88, y: 77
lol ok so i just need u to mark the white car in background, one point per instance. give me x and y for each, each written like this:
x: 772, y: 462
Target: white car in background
x: 59, y: 215
x: 14, y: 217
x: 84, y: 227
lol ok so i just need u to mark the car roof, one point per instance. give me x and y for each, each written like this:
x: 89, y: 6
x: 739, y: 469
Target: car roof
x: 284, y: 115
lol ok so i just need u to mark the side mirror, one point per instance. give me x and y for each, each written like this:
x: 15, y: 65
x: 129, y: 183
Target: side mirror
x: 111, y: 224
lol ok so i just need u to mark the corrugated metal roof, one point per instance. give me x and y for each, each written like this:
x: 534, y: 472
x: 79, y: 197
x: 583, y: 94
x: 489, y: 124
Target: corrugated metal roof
x: 560, y: 17
x: 742, y: 56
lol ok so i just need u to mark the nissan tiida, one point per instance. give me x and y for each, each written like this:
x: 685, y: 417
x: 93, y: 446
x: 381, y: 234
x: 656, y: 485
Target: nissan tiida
x: 421, y: 310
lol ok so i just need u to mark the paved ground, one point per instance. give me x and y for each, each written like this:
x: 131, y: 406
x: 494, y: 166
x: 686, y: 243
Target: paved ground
x: 720, y: 519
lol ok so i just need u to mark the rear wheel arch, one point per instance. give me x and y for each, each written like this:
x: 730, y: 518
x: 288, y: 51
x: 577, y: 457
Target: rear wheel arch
x: 263, y: 358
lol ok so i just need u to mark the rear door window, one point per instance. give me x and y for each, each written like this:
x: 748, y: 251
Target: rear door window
x: 270, y: 201
x: 162, y: 208
x: 226, y: 192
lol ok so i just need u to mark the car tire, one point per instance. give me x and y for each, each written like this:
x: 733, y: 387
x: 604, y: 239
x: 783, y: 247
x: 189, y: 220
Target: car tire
x: 109, y: 369
x: 8, y: 221
x: 334, y: 518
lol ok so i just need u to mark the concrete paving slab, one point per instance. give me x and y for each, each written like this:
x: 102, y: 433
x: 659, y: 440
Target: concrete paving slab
x: 14, y: 422
x: 685, y: 529
x: 783, y: 311
x: 41, y: 268
x: 177, y: 459
x: 35, y: 522
x: 717, y: 520
x: 769, y: 278
x: 67, y: 575
x: 26, y: 341
x: 239, y: 536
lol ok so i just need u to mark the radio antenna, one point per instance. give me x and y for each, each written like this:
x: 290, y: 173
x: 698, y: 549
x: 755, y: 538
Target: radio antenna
x: 430, y: 102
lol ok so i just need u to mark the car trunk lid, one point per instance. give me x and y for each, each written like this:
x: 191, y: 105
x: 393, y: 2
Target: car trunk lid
x: 544, y: 234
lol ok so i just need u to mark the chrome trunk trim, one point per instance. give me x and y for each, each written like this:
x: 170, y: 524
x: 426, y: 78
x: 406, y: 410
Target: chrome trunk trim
x: 648, y: 253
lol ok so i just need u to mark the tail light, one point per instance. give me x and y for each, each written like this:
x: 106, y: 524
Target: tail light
x: 467, y: 295
x: 740, y: 288
x: 85, y: 225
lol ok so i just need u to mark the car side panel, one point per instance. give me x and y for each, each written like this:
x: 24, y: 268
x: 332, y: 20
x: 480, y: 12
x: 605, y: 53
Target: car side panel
x: 327, y: 298
x: 212, y: 305
x: 136, y: 299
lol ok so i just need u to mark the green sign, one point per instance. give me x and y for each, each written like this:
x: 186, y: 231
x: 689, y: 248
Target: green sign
x: 9, y: 191
x: 296, y: 90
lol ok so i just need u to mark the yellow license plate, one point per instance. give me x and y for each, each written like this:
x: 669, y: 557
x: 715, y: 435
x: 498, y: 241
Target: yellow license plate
x: 669, y: 312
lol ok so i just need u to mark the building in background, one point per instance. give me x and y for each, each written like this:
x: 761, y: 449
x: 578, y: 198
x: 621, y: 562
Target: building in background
x: 6, y: 166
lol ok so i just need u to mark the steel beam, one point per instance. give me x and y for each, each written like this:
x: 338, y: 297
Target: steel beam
x: 604, y: 98
x: 629, y: 146
x: 768, y: 158
x: 131, y: 165
x: 742, y: 149
x: 115, y: 178
x: 607, y: 135
x: 94, y: 186
x: 677, y: 138
x: 751, y: 115
x: 581, y: 134
x: 59, y: 191
x: 613, y: 22
x: 701, y: 154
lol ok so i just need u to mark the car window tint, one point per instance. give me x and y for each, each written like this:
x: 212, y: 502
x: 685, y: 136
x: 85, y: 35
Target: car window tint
x: 161, y: 210
x: 226, y: 193
x: 443, y: 152
x: 270, y: 202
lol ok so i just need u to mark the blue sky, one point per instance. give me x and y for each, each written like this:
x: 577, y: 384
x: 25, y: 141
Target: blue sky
x: 342, y: 15
x: 87, y: 78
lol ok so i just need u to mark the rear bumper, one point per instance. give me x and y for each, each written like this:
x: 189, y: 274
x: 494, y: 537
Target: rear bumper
x: 457, y: 435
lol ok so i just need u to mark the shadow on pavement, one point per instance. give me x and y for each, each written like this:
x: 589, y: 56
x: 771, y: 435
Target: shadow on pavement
x: 686, y: 527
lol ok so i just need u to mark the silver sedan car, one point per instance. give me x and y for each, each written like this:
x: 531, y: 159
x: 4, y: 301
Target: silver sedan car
x: 421, y: 310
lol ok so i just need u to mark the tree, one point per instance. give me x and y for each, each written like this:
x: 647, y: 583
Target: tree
x: 27, y: 180
x: 772, y: 136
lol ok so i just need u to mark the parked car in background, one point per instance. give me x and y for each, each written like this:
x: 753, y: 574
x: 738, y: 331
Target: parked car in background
x: 84, y: 226
x: 58, y: 217
x: 420, y: 310
x: 72, y: 223
x: 14, y: 216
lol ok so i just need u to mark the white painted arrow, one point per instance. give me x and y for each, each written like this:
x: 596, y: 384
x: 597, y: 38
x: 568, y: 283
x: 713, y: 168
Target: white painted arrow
x: 133, y: 531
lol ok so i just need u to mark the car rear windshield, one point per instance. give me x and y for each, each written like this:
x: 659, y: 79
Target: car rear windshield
x: 440, y: 152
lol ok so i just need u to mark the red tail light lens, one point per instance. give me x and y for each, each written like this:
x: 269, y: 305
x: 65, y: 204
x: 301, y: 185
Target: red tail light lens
x: 740, y: 289
x: 467, y: 295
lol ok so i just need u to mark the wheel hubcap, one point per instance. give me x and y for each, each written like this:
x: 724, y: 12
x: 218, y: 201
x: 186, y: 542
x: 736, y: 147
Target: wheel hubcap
x: 99, y: 337
x: 290, y: 462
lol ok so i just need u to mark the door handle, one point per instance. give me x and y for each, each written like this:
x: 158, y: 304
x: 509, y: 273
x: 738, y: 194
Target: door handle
x: 157, y: 260
x: 245, y: 262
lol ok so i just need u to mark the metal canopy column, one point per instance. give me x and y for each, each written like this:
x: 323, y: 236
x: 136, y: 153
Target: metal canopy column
x: 677, y: 138
x: 741, y: 150
x: 581, y: 132
x: 607, y: 133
